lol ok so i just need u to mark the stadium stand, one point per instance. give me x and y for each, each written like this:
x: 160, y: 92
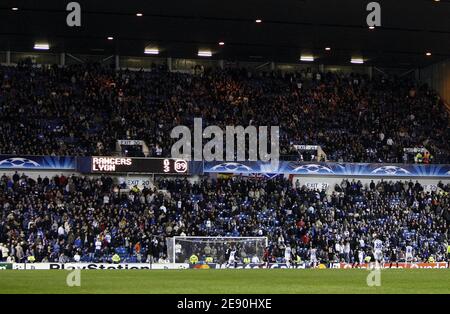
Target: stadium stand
x: 83, y: 110
x: 238, y: 150
x: 79, y: 218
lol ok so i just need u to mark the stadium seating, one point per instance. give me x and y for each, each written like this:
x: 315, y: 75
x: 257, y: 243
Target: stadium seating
x: 85, y: 109
x: 54, y: 218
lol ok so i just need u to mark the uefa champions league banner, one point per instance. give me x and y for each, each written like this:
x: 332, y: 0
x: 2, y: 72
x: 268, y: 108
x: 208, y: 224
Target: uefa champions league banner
x: 19, y: 162
x: 84, y: 165
x: 329, y: 169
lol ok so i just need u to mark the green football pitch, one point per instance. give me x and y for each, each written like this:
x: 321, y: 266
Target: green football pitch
x: 227, y: 281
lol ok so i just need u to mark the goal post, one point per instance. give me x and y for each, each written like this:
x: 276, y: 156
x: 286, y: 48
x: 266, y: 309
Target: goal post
x: 180, y: 248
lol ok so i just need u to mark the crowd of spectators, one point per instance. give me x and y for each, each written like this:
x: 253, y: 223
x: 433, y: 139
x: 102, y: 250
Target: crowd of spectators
x: 79, y: 218
x: 85, y: 109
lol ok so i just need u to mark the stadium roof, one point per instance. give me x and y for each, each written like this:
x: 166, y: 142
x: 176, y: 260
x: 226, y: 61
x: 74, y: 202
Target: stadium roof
x: 289, y: 28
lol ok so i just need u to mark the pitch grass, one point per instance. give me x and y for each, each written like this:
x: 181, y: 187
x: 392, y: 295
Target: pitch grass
x: 264, y: 281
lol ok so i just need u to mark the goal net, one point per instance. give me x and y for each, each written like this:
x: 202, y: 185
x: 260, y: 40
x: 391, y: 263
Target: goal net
x: 213, y: 249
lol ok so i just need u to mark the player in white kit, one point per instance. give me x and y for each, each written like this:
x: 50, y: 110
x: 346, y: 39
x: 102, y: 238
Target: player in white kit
x: 232, y: 257
x: 378, y: 251
x: 361, y: 256
x: 288, y: 255
x: 313, y: 257
x: 409, y: 254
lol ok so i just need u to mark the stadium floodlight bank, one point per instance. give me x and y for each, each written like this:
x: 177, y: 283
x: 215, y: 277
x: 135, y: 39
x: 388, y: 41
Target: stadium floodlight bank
x: 214, y: 249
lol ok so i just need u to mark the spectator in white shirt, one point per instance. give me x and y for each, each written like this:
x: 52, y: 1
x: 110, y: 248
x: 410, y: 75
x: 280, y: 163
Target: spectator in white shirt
x: 390, y: 141
x: 255, y: 259
x: 98, y: 245
x: 76, y: 258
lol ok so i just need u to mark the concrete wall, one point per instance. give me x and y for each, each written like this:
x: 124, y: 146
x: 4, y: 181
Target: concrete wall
x: 437, y: 76
x: 328, y: 183
x: 36, y: 173
x: 141, y: 180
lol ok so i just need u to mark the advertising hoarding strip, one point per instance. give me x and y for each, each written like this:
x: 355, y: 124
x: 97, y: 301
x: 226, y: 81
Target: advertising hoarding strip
x: 147, y: 266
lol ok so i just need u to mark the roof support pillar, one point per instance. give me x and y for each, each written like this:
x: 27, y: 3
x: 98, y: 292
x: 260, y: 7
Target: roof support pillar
x: 117, y: 62
x: 272, y: 66
x: 62, y: 59
x: 8, y: 57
